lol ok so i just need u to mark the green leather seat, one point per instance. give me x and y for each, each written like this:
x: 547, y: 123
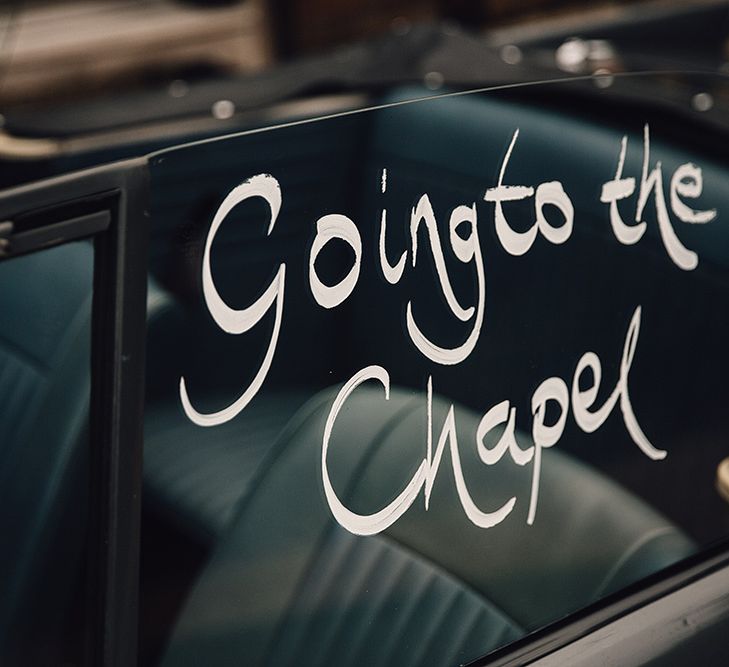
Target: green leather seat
x: 196, y: 477
x: 45, y: 348
x: 45, y: 378
x: 287, y: 585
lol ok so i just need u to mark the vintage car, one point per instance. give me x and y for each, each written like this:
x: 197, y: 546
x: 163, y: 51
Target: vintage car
x: 436, y: 378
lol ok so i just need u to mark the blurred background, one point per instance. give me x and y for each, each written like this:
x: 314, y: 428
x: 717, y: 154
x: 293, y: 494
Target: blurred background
x: 89, y: 80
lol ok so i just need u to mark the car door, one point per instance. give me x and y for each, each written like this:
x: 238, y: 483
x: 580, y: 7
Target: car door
x: 73, y: 267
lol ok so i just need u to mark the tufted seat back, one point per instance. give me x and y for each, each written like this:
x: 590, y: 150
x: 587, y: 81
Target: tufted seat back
x: 287, y: 585
x: 45, y: 348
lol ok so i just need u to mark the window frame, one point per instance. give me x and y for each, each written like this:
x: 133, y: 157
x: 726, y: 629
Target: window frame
x: 677, y: 584
x: 114, y: 200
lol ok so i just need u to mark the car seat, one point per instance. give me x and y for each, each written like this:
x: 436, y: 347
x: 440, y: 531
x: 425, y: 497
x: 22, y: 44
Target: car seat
x: 287, y: 585
x: 45, y: 379
x: 45, y: 349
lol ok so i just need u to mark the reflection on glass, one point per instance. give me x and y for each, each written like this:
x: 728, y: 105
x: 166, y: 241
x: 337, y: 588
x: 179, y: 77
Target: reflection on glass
x: 426, y: 378
x: 45, y: 339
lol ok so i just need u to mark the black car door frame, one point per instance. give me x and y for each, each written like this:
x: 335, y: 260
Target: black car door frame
x: 108, y: 205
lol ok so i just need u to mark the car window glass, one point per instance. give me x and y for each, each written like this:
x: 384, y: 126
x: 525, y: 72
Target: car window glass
x: 426, y: 378
x: 45, y: 301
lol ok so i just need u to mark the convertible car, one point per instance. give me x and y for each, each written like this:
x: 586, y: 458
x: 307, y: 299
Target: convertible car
x: 436, y: 375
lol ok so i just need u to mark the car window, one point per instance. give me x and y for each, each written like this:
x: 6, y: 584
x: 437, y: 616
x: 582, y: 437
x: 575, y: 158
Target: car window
x: 45, y: 358
x: 424, y: 379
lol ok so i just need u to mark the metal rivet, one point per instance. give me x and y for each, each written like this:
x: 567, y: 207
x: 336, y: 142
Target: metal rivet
x: 603, y: 78
x: 223, y: 109
x: 702, y: 101
x: 178, y: 88
x: 511, y: 54
x: 433, y: 80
